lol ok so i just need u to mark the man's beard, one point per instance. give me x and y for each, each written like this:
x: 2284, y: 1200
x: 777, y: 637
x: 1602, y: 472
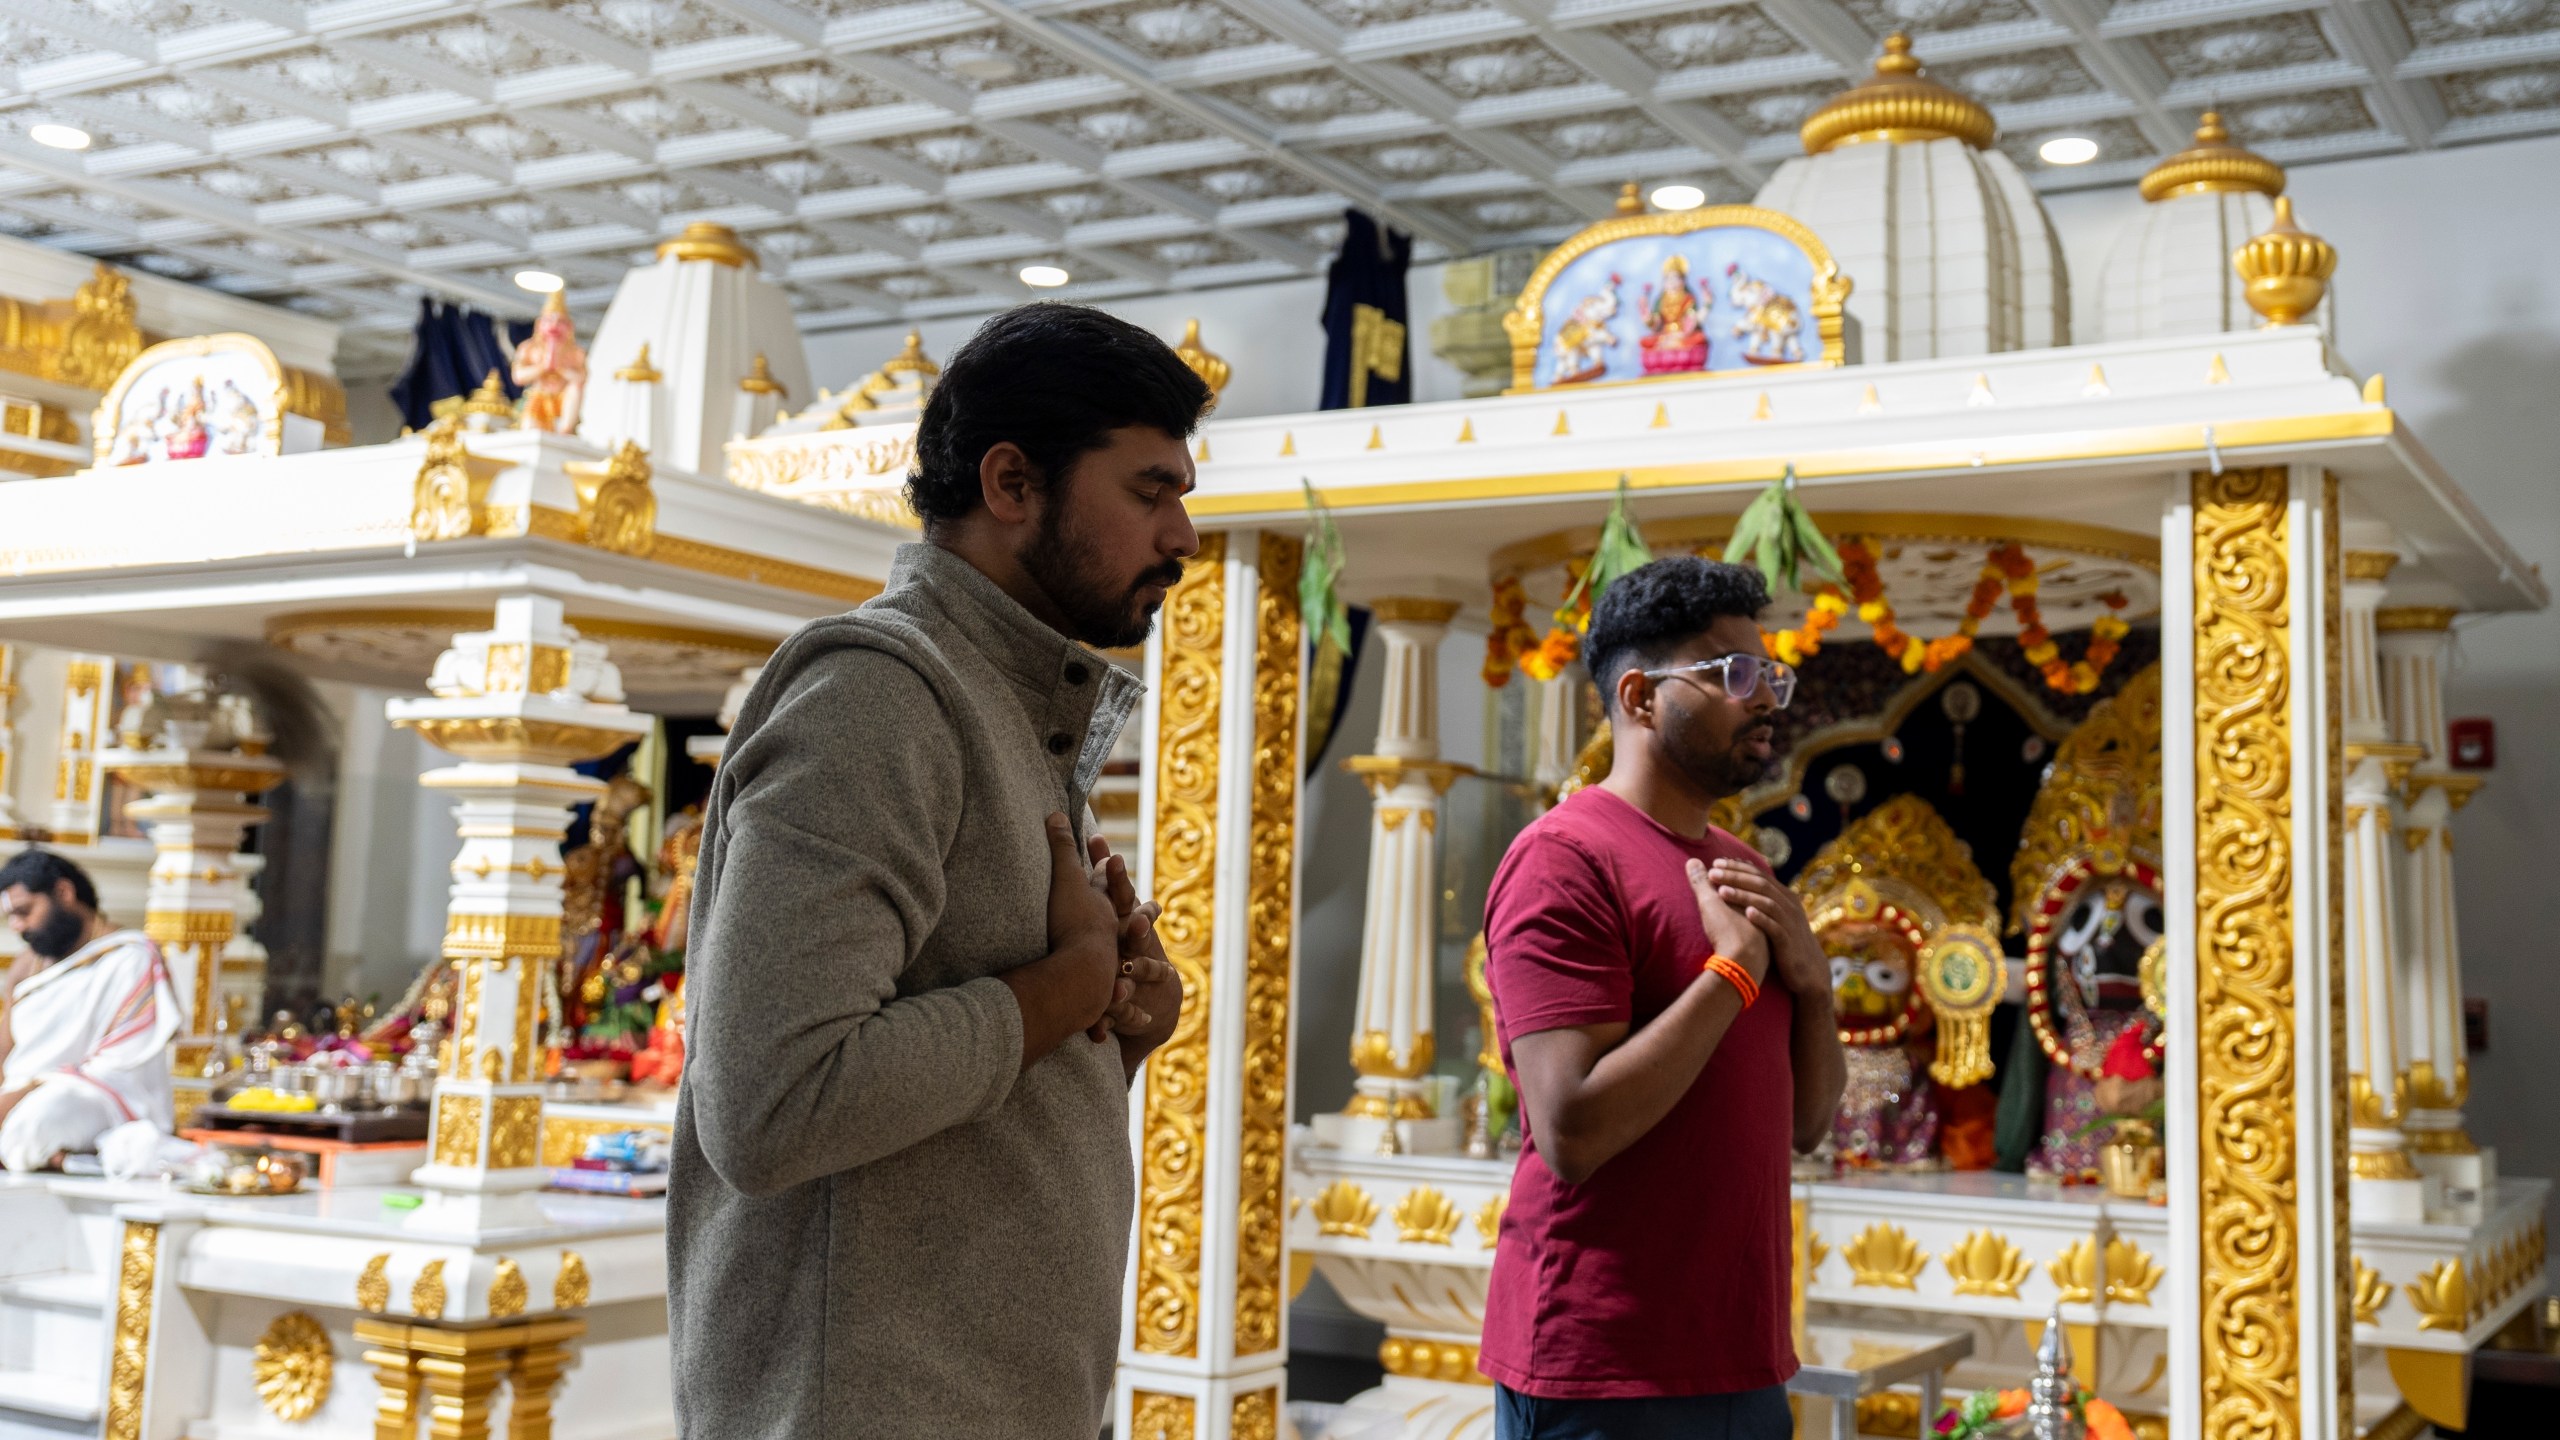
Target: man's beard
x: 1066, y: 568
x: 58, y: 936
x: 1724, y: 771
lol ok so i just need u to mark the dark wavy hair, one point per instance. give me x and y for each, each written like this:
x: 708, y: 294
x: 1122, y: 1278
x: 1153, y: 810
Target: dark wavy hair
x: 1655, y: 609
x: 1054, y: 379
x: 37, y: 870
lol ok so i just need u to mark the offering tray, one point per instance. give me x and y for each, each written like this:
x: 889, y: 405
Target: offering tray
x: 355, y: 1127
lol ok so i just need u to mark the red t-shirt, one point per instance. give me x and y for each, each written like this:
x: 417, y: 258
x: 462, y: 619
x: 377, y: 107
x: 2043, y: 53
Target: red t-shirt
x: 1667, y: 1272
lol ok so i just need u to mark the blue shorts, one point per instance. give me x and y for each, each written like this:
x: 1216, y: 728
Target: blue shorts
x: 1748, y: 1415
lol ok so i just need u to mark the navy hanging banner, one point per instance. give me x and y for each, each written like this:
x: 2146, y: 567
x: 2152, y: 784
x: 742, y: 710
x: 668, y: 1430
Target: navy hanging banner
x: 1367, y: 353
x: 453, y: 349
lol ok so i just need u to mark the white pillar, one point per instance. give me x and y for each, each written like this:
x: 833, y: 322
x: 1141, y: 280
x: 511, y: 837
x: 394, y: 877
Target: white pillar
x: 2383, y: 1183
x: 520, y: 703
x: 1393, y: 1034
x: 2412, y: 641
x: 1559, y: 730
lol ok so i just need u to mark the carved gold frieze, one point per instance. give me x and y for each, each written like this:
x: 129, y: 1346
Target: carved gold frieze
x: 1426, y: 1217
x: 507, y: 1293
x: 2075, y: 1272
x: 1884, y: 1256
x: 457, y: 1129
x: 515, y: 1122
x: 1987, y: 1264
x: 1255, y: 1415
x: 617, y: 510
x: 1373, y: 1053
x: 373, y: 1285
x: 1415, y: 1359
x: 449, y: 499
x: 1345, y: 1209
x: 1174, y: 1121
x: 291, y: 1365
x: 2442, y: 1296
x: 2244, y: 744
x: 1154, y: 1415
x: 2371, y: 1293
x: 1270, y: 909
x: 129, y: 1355
x: 570, y: 1288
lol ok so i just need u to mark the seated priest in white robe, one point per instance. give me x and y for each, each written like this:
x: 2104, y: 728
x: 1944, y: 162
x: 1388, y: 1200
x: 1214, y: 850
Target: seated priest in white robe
x: 89, y: 1029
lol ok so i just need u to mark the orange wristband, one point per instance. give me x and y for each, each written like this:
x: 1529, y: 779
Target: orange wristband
x: 1735, y: 976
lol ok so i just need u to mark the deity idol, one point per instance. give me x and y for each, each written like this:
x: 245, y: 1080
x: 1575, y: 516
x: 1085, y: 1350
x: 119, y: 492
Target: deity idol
x: 2086, y: 887
x: 188, y: 438
x: 552, y: 371
x: 1881, y: 898
x: 1675, y: 337
x: 1770, y: 326
x: 1584, y: 339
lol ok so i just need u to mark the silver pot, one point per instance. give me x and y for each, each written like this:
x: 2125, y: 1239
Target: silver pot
x: 395, y: 1085
x: 336, y: 1087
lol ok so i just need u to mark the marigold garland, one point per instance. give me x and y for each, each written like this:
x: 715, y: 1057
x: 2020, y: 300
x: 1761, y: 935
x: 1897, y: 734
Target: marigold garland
x: 2106, y: 633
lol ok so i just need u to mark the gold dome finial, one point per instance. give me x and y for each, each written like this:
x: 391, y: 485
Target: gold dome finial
x: 2213, y: 163
x: 759, y: 380
x: 1898, y: 102
x: 1629, y: 201
x: 703, y: 240
x: 2287, y: 268
x: 1212, y: 371
x: 640, y: 371
x: 911, y: 360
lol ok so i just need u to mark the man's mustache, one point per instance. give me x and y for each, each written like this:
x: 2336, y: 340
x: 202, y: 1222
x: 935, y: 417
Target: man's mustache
x: 1166, y: 576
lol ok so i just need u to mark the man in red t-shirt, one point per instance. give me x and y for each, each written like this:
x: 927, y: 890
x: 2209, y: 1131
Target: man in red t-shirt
x: 1666, y: 1013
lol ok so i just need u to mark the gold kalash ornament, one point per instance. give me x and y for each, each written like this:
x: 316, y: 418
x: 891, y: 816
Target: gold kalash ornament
x: 2090, y: 854
x: 2287, y: 268
x: 1906, y: 916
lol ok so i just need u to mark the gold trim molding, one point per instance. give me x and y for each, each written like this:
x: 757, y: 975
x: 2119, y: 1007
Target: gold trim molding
x: 1174, y: 1149
x: 1270, y: 941
x: 128, y: 1362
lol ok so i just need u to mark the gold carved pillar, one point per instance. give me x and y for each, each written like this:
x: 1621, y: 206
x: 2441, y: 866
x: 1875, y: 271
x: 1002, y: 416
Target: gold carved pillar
x: 2413, y: 642
x: 2253, y: 820
x: 88, y: 695
x: 196, y: 810
x: 519, y: 703
x: 1205, y: 1347
x: 1394, y: 1034
x: 451, y: 1375
x: 10, y: 826
x: 2384, y: 1185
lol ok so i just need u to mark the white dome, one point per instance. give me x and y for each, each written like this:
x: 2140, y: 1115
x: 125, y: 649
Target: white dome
x: 1944, y: 240
x: 2170, y: 270
x: 708, y: 324
x: 1948, y: 247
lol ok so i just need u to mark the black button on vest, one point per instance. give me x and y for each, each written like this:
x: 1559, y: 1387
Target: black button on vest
x: 1059, y: 743
x: 1077, y: 674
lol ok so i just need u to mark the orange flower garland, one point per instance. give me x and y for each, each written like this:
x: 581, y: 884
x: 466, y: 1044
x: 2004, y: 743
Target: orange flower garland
x: 1511, y: 636
x: 2106, y: 633
x: 1793, y: 646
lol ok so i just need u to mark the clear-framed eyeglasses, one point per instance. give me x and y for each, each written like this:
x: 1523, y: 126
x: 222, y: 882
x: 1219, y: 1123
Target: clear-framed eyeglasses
x: 1739, y: 675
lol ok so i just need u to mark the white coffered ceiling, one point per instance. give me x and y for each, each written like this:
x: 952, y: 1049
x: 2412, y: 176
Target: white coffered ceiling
x: 344, y: 156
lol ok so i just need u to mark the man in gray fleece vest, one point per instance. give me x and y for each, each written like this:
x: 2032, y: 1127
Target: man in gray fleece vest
x: 917, y: 989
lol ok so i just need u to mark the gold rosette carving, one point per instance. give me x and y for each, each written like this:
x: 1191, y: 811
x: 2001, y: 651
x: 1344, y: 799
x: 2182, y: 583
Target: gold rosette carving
x: 291, y: 1364
x: 1345, y: 1209
x: 1986, y: 1264
x: 1425, y: 1217
x: 1884, y: 1257
x: 1174, y: 1149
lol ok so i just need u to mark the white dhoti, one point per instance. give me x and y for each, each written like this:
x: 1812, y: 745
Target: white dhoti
x: 91, y: 1036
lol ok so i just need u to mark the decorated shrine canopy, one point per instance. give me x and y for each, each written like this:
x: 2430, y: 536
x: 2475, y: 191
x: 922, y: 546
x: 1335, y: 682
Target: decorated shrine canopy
x: 1692, y: 292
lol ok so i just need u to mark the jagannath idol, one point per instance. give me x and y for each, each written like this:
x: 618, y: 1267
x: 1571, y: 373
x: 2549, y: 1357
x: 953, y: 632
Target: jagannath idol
x: 2085, y: 891
x: 1906, y: 917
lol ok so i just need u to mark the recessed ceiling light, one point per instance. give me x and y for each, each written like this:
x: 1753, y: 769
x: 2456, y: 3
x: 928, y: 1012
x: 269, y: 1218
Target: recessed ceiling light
x: 60, y: 137
x: 540, y: 282
x: 1678, y: 197
x: 2068, y: 150
x: 1044, y: 277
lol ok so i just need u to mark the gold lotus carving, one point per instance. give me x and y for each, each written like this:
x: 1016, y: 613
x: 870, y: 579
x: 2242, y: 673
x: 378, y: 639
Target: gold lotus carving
x: 2372, y: 1292
x: 1986, y: 1264
x: 1345, y: 1209
x: 569, y: 1289
x: 2131, y: 1273
x: 2075, y: 1272
x: 1884, y: 1257
x: 291, y: 1365
x: 1426, y: 1217
x: 2442, y: 1296
x: 1489, y: 1218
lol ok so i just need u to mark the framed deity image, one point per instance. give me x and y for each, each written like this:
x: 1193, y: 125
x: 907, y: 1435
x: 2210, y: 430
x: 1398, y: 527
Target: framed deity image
x: 1681, y: 293
x: 204, y: 397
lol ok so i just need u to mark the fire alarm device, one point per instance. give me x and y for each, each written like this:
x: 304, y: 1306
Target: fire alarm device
x: 2472, y: 744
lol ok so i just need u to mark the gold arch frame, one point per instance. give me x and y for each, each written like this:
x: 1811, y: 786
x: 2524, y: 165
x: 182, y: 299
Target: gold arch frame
x: 1527, y: 316
x: 102, y: 427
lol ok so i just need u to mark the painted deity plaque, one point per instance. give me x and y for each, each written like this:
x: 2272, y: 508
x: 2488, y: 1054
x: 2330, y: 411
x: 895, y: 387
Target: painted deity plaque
x: 205, y: 397
x: 1698, y: 292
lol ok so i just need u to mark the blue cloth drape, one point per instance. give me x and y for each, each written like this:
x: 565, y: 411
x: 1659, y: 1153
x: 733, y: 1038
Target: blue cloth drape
x: 452, y: 350
x: 1369, y: 273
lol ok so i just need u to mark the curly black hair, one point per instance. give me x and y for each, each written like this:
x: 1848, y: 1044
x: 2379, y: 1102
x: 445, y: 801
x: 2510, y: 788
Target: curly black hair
x: 1054, y: 379
x: 1654, y: 609
x: 39, y: 870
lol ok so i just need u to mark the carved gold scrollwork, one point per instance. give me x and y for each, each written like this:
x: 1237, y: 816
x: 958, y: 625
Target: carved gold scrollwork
x: 1345, y: 1209
x: 2131, y: 1273
x: 1173, y: 1151
x: 2244, y: 846
x: 1986, y: 1264
x: 452, y: 489
x: 1885, y: 1257
x: 506, y: 1290
x: 569, y: 1289
x: 138, y: 1264
x: 291, y: 1365
x: 1426, y: 1217
x: 2442, y: 1296
x: 426, y: 1295
x: 1263, y: 1136
x: 617, y: 510
x: 373, y: 1286
x: 2372, y: 1292
x: 2075, y: 1272
x: 1255, y: 1416
x: 1156, y: 1416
